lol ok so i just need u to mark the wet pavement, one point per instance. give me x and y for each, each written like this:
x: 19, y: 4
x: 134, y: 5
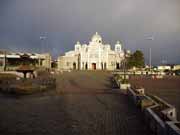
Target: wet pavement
x: 84, y: 103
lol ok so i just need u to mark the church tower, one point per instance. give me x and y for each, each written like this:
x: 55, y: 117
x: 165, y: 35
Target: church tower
x: 78, y: 47
x: 118, y: 47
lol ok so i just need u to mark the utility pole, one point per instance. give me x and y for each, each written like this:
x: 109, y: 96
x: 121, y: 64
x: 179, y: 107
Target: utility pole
x: 42, y: 38
x: 124, y: 64
x: 150, y: 64
x: 4, y: 61
x: 150, y: 59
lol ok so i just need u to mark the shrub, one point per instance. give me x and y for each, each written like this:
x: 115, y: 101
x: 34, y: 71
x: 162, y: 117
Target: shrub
x: 124, y: 81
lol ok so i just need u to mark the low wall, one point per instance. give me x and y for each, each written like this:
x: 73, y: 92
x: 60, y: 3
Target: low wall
x: 170, y: 111
x: 27, y: 86
x: 172, y: 128
x: 140, y: 99
x: 155, y: 123
x: 158, y: 114
x: 13, y: 72
x: 122, y: 86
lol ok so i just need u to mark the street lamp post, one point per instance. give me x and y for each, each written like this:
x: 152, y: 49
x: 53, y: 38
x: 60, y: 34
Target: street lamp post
x: 124, y: 67
x: 42, y: 38
x: 151, y: 38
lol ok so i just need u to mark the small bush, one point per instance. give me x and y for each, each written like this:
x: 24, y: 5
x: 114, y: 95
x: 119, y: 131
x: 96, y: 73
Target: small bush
x: 124, y: 81
x: 117, y: 77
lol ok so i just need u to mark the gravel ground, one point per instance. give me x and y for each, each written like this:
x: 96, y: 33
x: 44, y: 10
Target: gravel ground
x: 167, y: 88
x: 83, y: 103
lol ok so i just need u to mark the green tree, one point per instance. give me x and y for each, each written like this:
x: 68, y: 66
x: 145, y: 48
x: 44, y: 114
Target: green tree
x: 136, y: 59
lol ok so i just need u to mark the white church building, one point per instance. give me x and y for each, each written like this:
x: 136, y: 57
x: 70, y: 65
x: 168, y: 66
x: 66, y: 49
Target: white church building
x: 94, y: 56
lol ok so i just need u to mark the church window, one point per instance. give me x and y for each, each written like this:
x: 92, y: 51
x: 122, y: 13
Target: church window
x: 118, y: 49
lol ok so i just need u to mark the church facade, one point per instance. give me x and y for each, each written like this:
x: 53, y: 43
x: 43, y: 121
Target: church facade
x: 94, y: 56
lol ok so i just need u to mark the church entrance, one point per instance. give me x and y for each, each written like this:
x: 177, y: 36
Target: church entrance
x: 117, y: 66
x: 74, y: 66
x: 86, y: 66
x: 94, y: 66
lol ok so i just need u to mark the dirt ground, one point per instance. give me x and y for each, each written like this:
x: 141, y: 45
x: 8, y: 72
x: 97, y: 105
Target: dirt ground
x: 167, y: 88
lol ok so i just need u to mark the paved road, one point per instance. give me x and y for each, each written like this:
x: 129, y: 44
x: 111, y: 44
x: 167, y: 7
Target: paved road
x: 83, y: 104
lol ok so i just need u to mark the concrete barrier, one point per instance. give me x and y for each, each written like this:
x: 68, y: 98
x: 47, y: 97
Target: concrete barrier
x: 140, y: 99
x: 169, y: 111
x: 124, y: 86
x: 118, y: 80
x: 173, y: 128
x: 154, y: 122
x: 160, y: 116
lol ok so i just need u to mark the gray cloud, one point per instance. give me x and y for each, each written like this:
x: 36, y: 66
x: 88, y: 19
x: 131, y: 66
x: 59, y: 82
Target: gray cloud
x: 22, y: 22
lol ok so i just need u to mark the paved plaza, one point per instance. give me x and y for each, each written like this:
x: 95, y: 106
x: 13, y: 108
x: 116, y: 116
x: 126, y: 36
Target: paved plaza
x: 84, y: 103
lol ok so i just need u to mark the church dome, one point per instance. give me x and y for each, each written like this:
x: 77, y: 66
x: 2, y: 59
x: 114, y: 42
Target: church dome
x: 96, y: 38
x: 119, y: 42
x: 78, y: 43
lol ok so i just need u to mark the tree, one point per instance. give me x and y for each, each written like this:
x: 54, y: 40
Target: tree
x: 136, y: 59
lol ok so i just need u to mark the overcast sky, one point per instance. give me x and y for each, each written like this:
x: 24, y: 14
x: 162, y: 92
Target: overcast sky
x: 63, y: 22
